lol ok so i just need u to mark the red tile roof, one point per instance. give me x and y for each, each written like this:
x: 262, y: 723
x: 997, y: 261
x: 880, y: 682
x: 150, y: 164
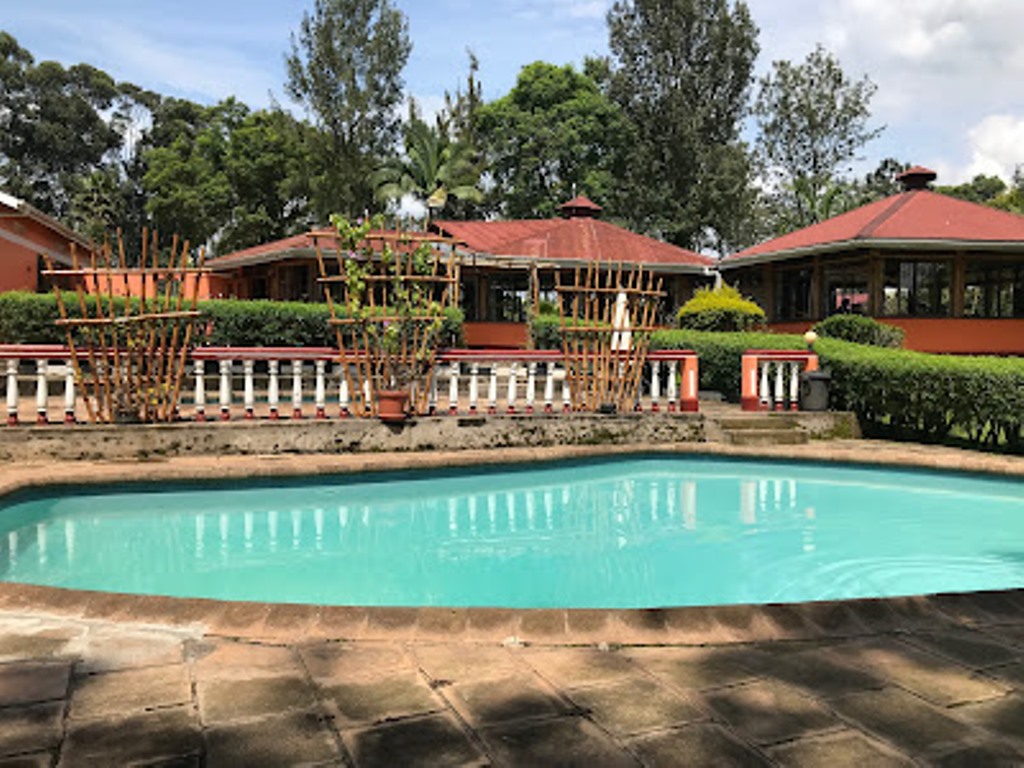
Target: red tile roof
x: 919, y: 216
x: 576, y: 239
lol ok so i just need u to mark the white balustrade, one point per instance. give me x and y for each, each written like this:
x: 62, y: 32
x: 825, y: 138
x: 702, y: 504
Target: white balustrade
x: 225, y: 390
x: 320, y: 389
x: 199, y: 367
x: 12, y: 392
x: 296, y: 389
x: 42, y: 392
x: 249, y: 390
x: 274, y: 388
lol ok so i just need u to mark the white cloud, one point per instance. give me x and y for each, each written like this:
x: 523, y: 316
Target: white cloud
x: 997, y: 146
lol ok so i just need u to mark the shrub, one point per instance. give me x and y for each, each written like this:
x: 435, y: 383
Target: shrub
x: 720, y: 309
x: 30, y: 318
x: 860, y: 330
x: 546, y: 331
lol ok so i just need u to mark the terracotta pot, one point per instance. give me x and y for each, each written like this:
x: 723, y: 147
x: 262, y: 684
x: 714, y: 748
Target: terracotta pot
x: 391, y: 404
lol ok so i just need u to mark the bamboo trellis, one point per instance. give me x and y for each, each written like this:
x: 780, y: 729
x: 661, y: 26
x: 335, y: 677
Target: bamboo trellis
x: 129, y: 360
x: 387, y: 301
x: 607, y: 315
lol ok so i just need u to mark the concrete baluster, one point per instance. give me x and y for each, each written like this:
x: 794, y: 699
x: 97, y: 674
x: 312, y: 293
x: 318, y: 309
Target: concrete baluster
x: 249, y: 390
x: 780, y: 385
x: 69, y: 392
x: 474, y: 386
x: 42, y: 392
x: 672, y: 388
x: 12, y: 393
x: 432, y: 397
x: 344, y: 399
x: 765, y: 394
x: 198, y: 366
x: 492, y: 390
x: 531, y: 386
x: 274, y: 388
x: 513, y: 370
x: 225, y: 390
x: 655, y: 386
x: 320, y: 389
x: 549, y: 388
x: 296, y: 389
x: 566, y: 393
x: 794, y: 386
x: 453, y: 389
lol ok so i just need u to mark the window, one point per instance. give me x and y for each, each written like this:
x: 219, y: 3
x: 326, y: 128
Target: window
x: 508, y: 297
x: 793, y: 294
x: 916, y: 288
x: 994, y: 289
x: 467, y: 294
x: 846, y: 289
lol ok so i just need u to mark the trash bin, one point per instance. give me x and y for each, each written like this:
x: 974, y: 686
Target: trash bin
x: 814, y: 390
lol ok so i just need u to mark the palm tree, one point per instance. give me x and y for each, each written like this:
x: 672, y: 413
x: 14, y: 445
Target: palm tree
x: 433, y: 169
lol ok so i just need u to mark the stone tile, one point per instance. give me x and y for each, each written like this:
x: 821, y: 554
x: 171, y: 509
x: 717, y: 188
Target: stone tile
x: 459, y: 663
x: 36, y: 760
x: 428, y: 741
x: 903, y: 720
x: 578, y: 667
x: 27, y: 682
x: 698, y: 668
x: 130, y: 691
x: 238, y: 619
x: 31, y: 729
x: 1004, y: 716
x: 343, y: 661
x: 441, y: 622
x: 47, y: 643
x: 339, y: 623
x: 543, y: 625
x: 386, y: 696
x: 288, y: 622
x: 637, y: 705
x: 819, y: 674
x: 976, y: 608
x: 845, y: 749
x: 498, y: 700
x: 112, y: 648
x: 939, y: 680
x: 969, y: 647
x: 160, y: 735
x: 292, y: 739
x: 1012, y: 635
x: 834, y: 618
x: 491, y: 623
x: 224, y: 700
x: 224, y: 659
x: 767, y: 712
x: 391, y: 623
x: 696, y: 746
x: 566, y: 741
x: 981, y: 756
x: 1010, y: 674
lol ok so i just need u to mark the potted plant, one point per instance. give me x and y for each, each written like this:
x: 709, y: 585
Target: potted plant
x: 387, y: 304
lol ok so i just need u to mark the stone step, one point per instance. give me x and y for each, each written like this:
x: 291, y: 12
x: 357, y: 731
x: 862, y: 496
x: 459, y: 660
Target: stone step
x: 758, y: 422
x: 766, y: 437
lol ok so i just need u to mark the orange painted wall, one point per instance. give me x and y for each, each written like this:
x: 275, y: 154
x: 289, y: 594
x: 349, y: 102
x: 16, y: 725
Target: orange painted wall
x: 495, y: 335
x: 954, y: 335
x: 17, y: 268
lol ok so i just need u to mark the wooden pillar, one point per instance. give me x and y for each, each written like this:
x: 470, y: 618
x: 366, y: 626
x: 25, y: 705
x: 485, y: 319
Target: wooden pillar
x: 875, y: 284
x: 816, y: 289
x: 768, y: 281
x: 958, y: 284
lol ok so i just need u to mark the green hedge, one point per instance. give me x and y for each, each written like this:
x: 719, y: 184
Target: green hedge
x: 30, y: 318
x: 896, y: 394
x: 861, y: 330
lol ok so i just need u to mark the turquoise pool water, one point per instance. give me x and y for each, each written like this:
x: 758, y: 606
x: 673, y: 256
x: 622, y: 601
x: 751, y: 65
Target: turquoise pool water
x: 642, y: 532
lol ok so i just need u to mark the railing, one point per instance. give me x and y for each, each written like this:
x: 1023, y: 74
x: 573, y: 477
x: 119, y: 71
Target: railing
x: 771, y: 378
x: 275, y: 379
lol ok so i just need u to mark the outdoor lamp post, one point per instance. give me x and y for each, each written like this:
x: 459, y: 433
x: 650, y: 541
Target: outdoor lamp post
x: 810, y: 337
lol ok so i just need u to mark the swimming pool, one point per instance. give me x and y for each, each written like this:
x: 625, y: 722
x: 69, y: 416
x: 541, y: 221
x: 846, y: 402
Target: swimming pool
x: 627, y: 533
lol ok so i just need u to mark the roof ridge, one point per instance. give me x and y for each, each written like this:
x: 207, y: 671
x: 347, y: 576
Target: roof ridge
x: 890, y: 211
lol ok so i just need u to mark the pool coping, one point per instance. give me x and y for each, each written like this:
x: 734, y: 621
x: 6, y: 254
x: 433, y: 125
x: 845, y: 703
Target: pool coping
x: 286, y: 622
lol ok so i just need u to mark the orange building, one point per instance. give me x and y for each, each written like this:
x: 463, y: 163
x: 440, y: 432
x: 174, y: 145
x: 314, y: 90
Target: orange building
x: 949, y: 272
x: 26, y: 235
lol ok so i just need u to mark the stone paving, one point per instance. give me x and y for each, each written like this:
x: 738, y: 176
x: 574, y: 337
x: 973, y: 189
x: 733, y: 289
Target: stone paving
x: 97, y: 679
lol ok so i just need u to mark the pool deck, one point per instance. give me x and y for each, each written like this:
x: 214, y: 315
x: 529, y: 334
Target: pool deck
x: 99, y: 679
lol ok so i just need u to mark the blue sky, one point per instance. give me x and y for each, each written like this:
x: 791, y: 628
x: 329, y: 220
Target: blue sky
x: 950, y: 73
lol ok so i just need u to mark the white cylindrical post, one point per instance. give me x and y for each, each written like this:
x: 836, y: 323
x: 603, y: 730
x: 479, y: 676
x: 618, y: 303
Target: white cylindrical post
x: 248, y: 367
x: 296, y: 389
x: 199, y: 368
x: 273, y: 387
x: 549, y: 388
x: 344, y: 399
x: 512, y: 371
x: 655, y: 385
x: 794, y: 385
x: 320, y: 389
x: 69, y: 392
x: 764, y: 393
x: 566, y: 394
x: 531, y: 386
x: 432, y: 397
x: 780, y: 385
x: 453, y: 388
x: 474, y: 386
x: 225, y: 390
x: 672, y: 390
x: 12, y: 392
x: 492, y: 390
x: 42, y: 392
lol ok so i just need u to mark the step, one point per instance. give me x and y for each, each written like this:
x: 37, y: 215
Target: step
x: 758, y: 422
x: 766, y: 437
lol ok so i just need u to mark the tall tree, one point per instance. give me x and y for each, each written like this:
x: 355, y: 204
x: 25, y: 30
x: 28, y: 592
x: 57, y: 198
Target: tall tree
x: 681, y: 70
x: 813, y: 121
x: 346, y: 67
x: 553, y: 133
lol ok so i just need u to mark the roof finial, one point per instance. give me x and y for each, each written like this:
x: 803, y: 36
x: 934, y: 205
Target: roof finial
x: 917, y: 177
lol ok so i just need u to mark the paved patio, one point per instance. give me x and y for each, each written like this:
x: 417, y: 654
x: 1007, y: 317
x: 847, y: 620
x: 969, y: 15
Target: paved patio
x: 97, y: 679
